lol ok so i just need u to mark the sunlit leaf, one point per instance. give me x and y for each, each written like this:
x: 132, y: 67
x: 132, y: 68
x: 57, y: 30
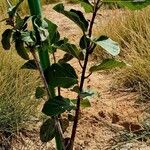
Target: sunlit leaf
x: 88, y: 7
x: 107, y: 44
x: 86, y: 94
x: 28, y: 37
x: 84, y: 103
x: 42, y: 31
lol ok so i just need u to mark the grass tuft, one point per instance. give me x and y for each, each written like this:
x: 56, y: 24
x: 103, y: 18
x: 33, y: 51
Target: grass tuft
x: 17, y: 101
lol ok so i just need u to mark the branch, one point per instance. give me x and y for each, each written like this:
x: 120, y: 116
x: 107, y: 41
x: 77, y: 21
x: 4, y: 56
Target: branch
x: 96, y: 7
x: 80, y: 64
x: 88, y: 75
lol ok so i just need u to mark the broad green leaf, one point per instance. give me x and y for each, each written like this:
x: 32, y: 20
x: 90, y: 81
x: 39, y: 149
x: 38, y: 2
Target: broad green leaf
x: 134, y: 4
x: 71, y: 49
x: 19, y: 45
x: 86, y: 5
x: 6, y: 36
x: 74, y: 15
x: 61, y: 75
x: 107, y: 64
x: 47, y: 130
x: 56, y: 106
x: 84, y: 103
x: 22, y: 52
x: 30, y: 64
x: 109, y: 45
x: 40, y: 92
x: 84, y: 42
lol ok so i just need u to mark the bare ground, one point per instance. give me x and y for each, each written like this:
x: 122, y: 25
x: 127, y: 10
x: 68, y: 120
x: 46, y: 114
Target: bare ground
x: 114, y: 113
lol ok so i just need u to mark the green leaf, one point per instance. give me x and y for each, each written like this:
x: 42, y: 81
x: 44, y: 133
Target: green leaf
x: 84, y: 42
x: 28, y: 37
x: 6, y: 36
x: 40, y: 92
x: 86, y: 5
x: 61, y: 75
x: 56, y: 106
x: 21, y: 24
x: 19, y: 45
x: 76, y: 89
x: 67, y: 57
x: 109, y: 45
x: 22, y: 52
x: 53, y: 33
x: 30, y: 64
x: 107, y: 64
x: 42, y: 31
x: 74, y: 15
x: 71, y: 49
x: 47, y: 130
x: 86, y: 94
x: 134, y: 4
x: 84, y: 102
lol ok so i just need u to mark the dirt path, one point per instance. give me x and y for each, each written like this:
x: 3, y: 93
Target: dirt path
x: 111, y: 112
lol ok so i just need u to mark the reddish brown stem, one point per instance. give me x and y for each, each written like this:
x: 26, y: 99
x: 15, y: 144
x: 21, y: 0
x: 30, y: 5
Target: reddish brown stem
x: 70, y: 147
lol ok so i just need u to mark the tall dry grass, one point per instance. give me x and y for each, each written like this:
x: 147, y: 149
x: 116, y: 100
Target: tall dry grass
x: 17, y: 102
x: 132, y: 31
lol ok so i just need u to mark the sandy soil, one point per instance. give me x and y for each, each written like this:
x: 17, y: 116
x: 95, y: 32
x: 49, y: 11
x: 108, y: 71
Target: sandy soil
x: 113, y: 111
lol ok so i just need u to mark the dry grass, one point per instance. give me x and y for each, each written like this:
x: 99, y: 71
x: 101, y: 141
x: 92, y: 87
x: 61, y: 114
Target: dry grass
x: 132, y: 31
x: 17, y: 101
